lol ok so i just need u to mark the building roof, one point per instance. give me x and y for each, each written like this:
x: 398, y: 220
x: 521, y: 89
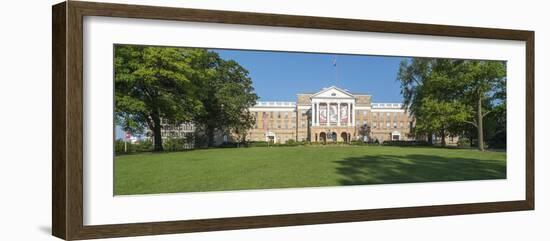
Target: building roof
x: 291, y: 104
x: 275, y: 104
x: 334, y: 89
x: 386, y: 105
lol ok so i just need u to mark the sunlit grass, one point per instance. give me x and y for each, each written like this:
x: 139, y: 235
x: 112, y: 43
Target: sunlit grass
x: 284, y: 167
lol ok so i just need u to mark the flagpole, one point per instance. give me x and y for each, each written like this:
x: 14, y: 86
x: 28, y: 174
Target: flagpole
x: 334, y: 63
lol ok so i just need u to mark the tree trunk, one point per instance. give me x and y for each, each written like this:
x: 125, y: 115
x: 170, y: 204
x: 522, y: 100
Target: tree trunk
x: 243, y: 138
x: 430, y: 139
x: 210, y: 136
x: 480, y: 124
x: 157, y: 136
x: 443, y: 142
x: 471, y: 134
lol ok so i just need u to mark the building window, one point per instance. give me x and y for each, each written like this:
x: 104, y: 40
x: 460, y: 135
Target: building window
x: 271, y: 114
x: 286, y: 115
x: 387, y: 125
x: 388, y: 114
x: 374, y: 124
x: 401, y: 124
x: 395, y: 125
x: 278, y: 115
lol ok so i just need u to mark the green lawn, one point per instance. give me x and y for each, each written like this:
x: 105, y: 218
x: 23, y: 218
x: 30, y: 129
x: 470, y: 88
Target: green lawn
x: 282, y: 167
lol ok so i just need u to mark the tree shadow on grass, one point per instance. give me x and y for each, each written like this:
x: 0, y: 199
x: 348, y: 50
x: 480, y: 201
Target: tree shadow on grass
x: 385, y: 169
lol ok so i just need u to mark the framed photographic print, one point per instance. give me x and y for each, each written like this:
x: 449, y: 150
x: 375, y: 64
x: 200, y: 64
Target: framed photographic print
x: 171, y: 120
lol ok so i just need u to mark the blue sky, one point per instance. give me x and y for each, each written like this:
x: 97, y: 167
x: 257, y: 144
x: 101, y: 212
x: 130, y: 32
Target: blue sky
x: 281, y: 75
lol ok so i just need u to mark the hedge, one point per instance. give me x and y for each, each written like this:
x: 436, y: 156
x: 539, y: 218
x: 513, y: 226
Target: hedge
x: 405, y: 143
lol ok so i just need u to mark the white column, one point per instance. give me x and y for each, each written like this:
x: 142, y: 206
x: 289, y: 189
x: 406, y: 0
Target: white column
x: 327, y: 123
x: 317, y: 113
x: 349, y: 114
x: 312, y: 114
x: 338, y: 113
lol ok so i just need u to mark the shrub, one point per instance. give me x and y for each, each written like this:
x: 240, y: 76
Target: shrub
x: 463, y: 142
x: 357, y: 143
x: 143, y: 146
x: 257, y: 144
x: 119, y: 146
x: 230, y: 145
x: 290, y: 142
x: 405, y: 143
x: 140, y: 146
x: 362, y: 143
x: 174, y: 144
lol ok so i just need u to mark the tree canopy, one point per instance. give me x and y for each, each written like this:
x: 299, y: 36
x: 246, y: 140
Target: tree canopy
x: 226, y: 93
x: 155, y: 86
x: 447, y: 95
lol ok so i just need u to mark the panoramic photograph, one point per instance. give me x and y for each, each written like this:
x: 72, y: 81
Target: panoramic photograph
x: 202, y: 120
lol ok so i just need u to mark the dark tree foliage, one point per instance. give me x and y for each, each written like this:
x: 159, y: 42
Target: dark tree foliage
x: 158, y: 86
x: 445, y: 96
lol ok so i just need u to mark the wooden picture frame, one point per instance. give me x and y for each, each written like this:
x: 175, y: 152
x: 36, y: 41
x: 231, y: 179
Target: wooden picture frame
x: 67, y: 124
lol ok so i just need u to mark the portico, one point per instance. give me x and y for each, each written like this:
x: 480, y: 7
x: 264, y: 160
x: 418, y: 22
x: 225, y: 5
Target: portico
x: 332, y: 117
x: 332, y: 107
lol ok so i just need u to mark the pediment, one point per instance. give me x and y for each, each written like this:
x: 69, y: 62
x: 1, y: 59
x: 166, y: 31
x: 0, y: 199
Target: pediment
x: 332, y: 92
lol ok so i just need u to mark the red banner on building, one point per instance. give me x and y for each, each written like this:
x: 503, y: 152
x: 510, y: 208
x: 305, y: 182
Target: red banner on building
x: 322, y: 114
x: 344, y: 114
x: 333, y: 113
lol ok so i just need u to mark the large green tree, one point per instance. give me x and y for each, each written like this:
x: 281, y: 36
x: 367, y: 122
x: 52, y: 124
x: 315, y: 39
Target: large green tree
x: 238, y: 96
x: 444, y: 94
x: 226, y: 95
x: 159, y: 86
x: 439, y: 117
x: 429, y: 92
x: 152, y: 84
x: 485, y: 92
